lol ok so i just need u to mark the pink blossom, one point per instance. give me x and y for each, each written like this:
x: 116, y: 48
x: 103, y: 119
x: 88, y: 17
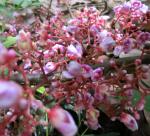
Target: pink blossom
x: 58, y: 48
x: 67, y: 75
x: 127, y: 45
x: 10, y: 92
x: 101, y: 92
x: 144, y: 8
x: 143, y: 37
x: 92, y: 118
x: 70, y: 29
x: 24, y: 36
x: 74, y: 68
x: 97, y: 74
x: 118, y: 50
x: 107, y: 43
x: 125, y: 9
x: 3, y: 53
x: 24, y: 42
x: 50, y: 67
x: 129, y: 121
x: 74, y: 51
x: 140, y: 104
x: 27, y: 64
x: 86, y: 71
x: 103, y: 34
x: 136, y: 4
x: 94, y: 29
x: 62, y: 121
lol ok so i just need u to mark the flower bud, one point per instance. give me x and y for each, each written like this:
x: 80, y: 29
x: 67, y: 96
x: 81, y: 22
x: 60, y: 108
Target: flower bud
x: 92, y: 118
x: 129, y: 121
x: 74, y: 68
x: 74, y: 51
x: 62, y: 121
x: 138, y: 62
x: 24, y: 42
x: 3, y: 53
x: 145, y: 68
x: 140, y: 104
x: 10, y: 93
x: 50, y: 67
x: 97, y: 74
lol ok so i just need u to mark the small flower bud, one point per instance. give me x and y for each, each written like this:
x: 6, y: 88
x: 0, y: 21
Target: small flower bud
x: 145, y: 68
x: 62, y: 121
x: 10, y: 93
x: 138, y: 62
x: 129, y: 121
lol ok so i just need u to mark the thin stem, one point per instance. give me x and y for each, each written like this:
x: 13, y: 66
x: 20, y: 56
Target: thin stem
x: 84, y: 131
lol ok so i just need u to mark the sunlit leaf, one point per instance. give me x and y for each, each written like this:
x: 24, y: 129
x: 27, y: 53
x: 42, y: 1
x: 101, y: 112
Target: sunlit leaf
x: 41, y: 90
x: 10, y: 41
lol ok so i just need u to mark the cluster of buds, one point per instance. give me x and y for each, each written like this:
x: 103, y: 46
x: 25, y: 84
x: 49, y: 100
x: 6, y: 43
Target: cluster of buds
x: 69, y: 56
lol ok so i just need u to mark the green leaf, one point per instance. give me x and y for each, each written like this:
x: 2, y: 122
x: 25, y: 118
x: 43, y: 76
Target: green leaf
x: 26, y: 3
x: 6, y: 71
x: 41, y: 90
x: 147, y: 104
x: 17, y: 2
x: 3, y: 2
x: 136, y: 97
x: 10, y: 41
x: 36, y: 4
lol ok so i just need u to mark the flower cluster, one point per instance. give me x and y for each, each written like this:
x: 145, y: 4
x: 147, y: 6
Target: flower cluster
x: 72, y: 60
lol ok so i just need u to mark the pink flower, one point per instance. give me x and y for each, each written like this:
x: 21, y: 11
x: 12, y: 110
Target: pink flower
x: 62, y: 121
x: 50, y: 67
x: 27, y: 64
x: 97, y: 74
x: 140, y: 104
x: 118, y: 50
x: 144, y: 9
x: 86, y: 71
x: 24, y: 36
x: 74, y: 68
x: 74, y: 51
x: 92, y: 118
x: 136, y: 4
x: 127, y: 45
x: 125, y: 9
x: 3, y: 54
x: 101, y: 92
x: 67, y: 75
x: 58, y: 48
x: 107, y: 43
x: 10, y: 93
x: 129, y: 121
x: 71, y: 29
x: 95, y: 29
x: 143, y: 37
x: 24, y: 42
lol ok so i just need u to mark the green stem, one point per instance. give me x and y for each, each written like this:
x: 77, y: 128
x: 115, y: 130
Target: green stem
x: 84, y: 131
x: 47, y: 126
